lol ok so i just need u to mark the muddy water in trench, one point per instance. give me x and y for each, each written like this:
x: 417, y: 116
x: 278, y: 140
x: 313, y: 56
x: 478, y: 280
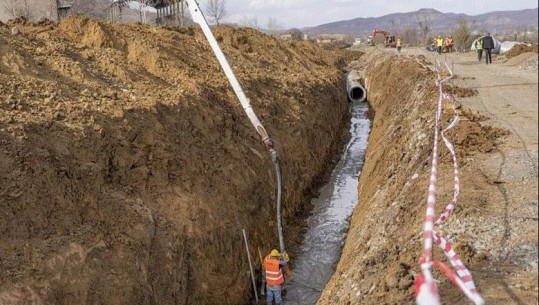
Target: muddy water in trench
x: 329, y: 221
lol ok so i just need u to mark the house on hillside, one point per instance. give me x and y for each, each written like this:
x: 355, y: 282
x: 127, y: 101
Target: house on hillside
x: 285, y: 36
x: 35, y: 10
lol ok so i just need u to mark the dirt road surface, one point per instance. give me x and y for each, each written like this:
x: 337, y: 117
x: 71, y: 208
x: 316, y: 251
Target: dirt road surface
x: 507, y: 97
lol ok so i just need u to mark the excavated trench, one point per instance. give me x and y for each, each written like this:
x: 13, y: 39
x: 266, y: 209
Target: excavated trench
x: 129, y: 170
x: 329, y: 219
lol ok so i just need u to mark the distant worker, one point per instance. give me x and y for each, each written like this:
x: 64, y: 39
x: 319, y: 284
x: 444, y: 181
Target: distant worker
x: 398, y: 45
x: 479, y: 48
x: 273, y: 264
x: 439, y: 44
x: 488, y: 45
x: 449, y: 44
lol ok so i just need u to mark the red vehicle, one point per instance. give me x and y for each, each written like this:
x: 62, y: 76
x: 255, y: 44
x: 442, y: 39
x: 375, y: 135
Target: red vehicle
x: 389, y: 41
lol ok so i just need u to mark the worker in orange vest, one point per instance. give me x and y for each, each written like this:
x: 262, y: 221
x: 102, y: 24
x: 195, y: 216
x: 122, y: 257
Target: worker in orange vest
x: 398, y: 45
x: 273, y: 265
x: 449, y: 44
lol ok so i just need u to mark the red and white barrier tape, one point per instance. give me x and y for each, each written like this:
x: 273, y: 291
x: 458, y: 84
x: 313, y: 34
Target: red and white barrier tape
x: 425, y: 286
x: 456, y: 186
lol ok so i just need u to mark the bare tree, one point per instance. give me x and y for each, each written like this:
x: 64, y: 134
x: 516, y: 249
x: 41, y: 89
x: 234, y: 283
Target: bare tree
x: 462, y: 34
x: 216, y: 10
x: 249, y: 22
x: 425, y: 26
x: 274, y: 27
x: 17, y: 8
x: 296, y: 34
x: 392, y: 26
x: 409, y: 36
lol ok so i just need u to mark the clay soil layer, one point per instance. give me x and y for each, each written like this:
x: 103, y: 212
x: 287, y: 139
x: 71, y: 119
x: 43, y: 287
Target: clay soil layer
x: 129, y: 169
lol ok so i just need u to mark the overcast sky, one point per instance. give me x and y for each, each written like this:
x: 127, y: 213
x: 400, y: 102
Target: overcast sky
x: 303, y: 13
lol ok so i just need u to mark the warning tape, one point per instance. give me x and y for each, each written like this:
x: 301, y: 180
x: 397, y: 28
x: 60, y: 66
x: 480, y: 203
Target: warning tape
x: 425, y: 287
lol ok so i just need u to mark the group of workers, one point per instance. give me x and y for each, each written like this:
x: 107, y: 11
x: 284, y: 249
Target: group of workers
x: 440, y: 43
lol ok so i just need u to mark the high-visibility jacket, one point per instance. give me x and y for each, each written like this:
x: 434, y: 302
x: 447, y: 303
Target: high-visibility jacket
x: 440, y: 42
x: 479, y: 44
x: 449, y: 41
x: 398, y: 42
x: 274, y: 274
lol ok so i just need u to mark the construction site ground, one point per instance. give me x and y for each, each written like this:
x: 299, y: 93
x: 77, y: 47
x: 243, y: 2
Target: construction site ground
x: 129, y: 170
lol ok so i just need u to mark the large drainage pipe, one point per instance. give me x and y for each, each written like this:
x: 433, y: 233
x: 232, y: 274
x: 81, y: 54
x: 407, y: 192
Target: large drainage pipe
x: 356, y: 91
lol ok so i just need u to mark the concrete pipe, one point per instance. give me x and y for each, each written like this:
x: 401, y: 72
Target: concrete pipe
x: 356, y: 91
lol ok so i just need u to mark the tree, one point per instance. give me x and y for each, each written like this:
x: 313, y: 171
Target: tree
x: 249, y: 22
x: 408, y: 36
x: 216, y: 9
x: 17, y: 8
x: 462, y: 34
x: 425, y: 25
x: 296, y: 34
x: 274, y: 27
x: 392, y: 26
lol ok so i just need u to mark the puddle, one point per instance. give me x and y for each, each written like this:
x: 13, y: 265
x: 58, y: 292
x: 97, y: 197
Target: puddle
x: 329, y: 221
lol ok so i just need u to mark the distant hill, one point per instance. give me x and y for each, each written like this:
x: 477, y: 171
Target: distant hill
x: 495, y: 22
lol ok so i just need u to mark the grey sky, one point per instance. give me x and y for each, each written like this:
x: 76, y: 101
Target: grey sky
x: 302, y: 13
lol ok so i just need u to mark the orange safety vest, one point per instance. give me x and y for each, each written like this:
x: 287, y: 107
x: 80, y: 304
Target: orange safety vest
x: 274, y: 275
x: 449, y: 42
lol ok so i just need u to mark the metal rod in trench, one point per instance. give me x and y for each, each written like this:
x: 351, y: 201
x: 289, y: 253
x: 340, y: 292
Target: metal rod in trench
x: 250, y: 264
x: 305, y: 285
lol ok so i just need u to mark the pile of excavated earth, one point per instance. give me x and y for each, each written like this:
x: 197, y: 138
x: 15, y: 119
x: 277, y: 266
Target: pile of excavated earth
x: 129, y: 169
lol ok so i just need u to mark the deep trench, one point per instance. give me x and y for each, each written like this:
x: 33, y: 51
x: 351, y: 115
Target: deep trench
x: 329, y: 220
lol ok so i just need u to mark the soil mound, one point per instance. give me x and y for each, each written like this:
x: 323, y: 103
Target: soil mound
x: 520, y: 49
x: 129, y: 168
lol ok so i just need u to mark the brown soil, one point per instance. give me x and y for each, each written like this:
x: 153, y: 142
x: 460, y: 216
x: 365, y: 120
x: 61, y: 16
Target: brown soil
x: 520, y: 49
x: 494, y: 227
x: 129, y: 168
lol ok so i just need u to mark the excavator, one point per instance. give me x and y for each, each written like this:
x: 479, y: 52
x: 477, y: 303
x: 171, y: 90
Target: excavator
x: 389, y: 40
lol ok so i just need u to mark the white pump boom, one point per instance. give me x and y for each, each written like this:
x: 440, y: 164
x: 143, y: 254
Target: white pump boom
x: 198, y: 17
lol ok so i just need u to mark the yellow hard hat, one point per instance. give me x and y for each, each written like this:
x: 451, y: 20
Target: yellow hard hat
x: 274, y: 252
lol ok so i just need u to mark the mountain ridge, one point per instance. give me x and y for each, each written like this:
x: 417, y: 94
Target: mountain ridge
x: 496, y: 22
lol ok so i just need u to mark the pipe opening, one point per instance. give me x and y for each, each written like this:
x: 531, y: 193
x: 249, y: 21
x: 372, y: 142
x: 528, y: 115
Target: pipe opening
x: 357, y: 94
x: 355, y: 89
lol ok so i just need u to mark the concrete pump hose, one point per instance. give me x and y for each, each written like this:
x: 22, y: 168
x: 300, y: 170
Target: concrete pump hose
x: 198, y: 17
x: 279, y: 175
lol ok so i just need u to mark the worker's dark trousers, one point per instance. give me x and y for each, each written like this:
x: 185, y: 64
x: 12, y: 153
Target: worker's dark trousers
x: 488, y: 56
x: 479, y: 54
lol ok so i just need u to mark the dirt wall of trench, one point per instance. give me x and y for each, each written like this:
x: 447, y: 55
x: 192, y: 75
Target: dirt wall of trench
x: 128, y: 168
x: 383, y: 247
